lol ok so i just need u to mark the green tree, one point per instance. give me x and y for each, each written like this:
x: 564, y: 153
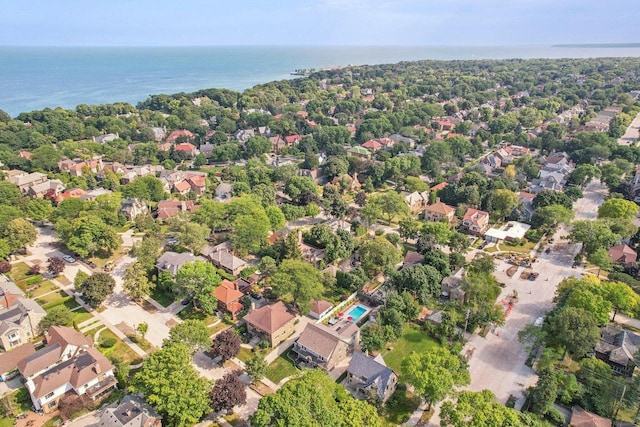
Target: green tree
x: 172, y: 386
x: 622, y: 297
x: 250, y: 232
x: 142, y: 329
x: 543, y: 395
x: 550, y: 197
x: 257, y: 146
x: 378, y: 255
x: 39, y: 209
x: 371, y: 212
x: 480, y: 409
x: 89, y: 234
x: 618, y: 209
x: 575, y: 329
x: 19, y: 233
x: 439, y: 230
x: 482, y: 263
x: 147, y: 250
x: 459, y: 243
x: 423, y: 281
x: 503, y: 202
x: 409, y: 228
x: 373, y: 337
x: 256, y: 367
x: 313, y: 400
x: 97, y: 288
x: 199, y: 280
x: 9, y: 193
x: 593, y: 235
x: 56, y: 316
x: 551, y: 216
x: 45, y: 158
x: 590, y: 302
x: 602, y: 259
x: 193, y: 333
x: 192, y: 235
x: 435, y: 373
x: 300, y: 280
x: 81, y: 276
x: 136, y: 282
x: 276, y: 217
x: 390, y: 204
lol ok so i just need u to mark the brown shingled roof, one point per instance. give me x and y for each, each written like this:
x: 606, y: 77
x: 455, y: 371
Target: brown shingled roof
x: 269, y: 318
x: 10, y: 359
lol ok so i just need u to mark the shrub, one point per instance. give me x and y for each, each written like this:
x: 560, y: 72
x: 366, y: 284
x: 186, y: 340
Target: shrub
x: 108, y: 342
x: 555, y: 417
x: 5, y: 267
x: 34, y: 280
x: 624, y: 278
x: 35, y: 269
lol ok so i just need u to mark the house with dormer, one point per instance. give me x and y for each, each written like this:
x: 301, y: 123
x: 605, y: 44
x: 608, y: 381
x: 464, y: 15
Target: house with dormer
x: 370, y: 378
x: 320, y: 346
x: 67, y: 364
x: 475, y: 221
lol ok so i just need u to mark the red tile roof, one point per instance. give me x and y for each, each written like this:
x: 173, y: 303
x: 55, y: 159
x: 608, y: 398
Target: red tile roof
x: 227, y: 294
x: 440, y: 186
x: 179, y: 133
x: 185, y: 146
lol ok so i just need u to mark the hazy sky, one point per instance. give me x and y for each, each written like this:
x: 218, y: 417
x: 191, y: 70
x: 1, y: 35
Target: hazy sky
x: 316, y: 22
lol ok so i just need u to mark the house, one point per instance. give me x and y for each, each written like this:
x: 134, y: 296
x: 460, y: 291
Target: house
x: 475, y: 221
x: 439, y: 187
x: 107, y: 137
x: 272, y: 323
x: 372, y: 145
x: 19, y: 322
x: 322, y: 347
x: 617, y: 348
x: 74, y: 193
x: 525, y: 204
x: 622, y: 254
x: 227, y: 261
x: 512, y: 230
x: 180, y: 136
x: 292, y: 140
x: 172, y: 261
x: 49, y: 189
x: 224, y: 192
x: 439, y: 212
x: 164, y: 146
x: 94, y: 194
x: 183, y: 188
x: 132, y: 207
x: 583, y: 418
x: 412, y: 258
x: 207, y: 149
x: 186, y: 147
x: 9, y: 292
x: 277, y: 143
x: 229, y: 298
x: 158, y: 133
x: 397, y: 138
x: 171, y: 208
x: 319, y: 308
x: 370, y: 378
x: 359, y: 152
x: 9, y: 360
x: 67, y: 364
x: 132, y: 411
x: 25, y: 180
x: 198, y: 184
x: 417, y: 201
x: 78, y: 167
x: 452, y: 287
x: 243, y: 135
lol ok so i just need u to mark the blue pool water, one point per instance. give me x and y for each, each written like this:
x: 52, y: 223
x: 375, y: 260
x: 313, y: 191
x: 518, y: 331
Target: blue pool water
x: 356, y: 313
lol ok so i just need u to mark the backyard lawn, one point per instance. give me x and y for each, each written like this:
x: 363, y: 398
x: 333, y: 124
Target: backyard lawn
x: 412, y: 340
x: 19, y: 274
x: 281, y: 368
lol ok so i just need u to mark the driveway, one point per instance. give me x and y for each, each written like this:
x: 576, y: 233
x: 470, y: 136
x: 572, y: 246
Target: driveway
x: 498, y: 360
x: 632, y: 134
x: 120, y: 308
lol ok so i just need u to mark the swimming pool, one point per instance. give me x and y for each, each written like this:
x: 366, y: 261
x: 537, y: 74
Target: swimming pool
x: 356, y: 312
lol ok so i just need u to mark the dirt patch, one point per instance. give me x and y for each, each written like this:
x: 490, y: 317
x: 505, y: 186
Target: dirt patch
x: 125, y: 329
x: 525, y: 274
x: 262, y: 389
x: 511, y: 270
x: 171, y: 323
x: 147, y: 306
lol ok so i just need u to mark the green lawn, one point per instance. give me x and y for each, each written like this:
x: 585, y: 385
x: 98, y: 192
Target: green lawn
x: 399, y: 407
x: 190, y: 313
x: 80, y: 315
x: 55, y: 299
x: 19, y: 274
x: 120, y: 352
x: 244, y: 354
x: 6, y: 422
x: 412, y: 340
x: 281, y: 368
x: 162, y: 297
x: 218, y: 327
x: 524, y: 248
x: 44, y: 287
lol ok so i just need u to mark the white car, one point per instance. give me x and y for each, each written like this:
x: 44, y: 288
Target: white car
x: 68, y: 258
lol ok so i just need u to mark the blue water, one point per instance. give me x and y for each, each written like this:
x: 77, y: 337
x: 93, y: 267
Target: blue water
x: 33, y: 78
x: 356, y: 313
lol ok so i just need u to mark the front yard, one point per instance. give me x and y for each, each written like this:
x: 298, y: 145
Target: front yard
x: 281, y: 368
x: 118, y: 353
x: 55, y: 299
x: 413, y: 340
x: 399, y: 407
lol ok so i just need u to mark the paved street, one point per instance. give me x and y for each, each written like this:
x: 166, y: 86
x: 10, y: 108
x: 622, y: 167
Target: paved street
x: 632, y: 134
x: 594, y: 194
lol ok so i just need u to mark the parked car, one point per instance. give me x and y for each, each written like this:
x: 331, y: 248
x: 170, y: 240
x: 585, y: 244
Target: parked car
x: 109, y: 266
x: 68, y: 258
x: 255, y: 296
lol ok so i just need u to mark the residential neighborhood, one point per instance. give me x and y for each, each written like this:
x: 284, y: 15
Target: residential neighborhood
x: 423, y: 243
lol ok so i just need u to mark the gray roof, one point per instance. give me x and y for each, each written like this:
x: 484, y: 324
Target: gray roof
x: 172, y: 261
x: 370, y: 371
x: 13, y: 316
x: 132, y: 411
x: 619, y: 345
x: 227, y: 260
x: 11, y: 288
